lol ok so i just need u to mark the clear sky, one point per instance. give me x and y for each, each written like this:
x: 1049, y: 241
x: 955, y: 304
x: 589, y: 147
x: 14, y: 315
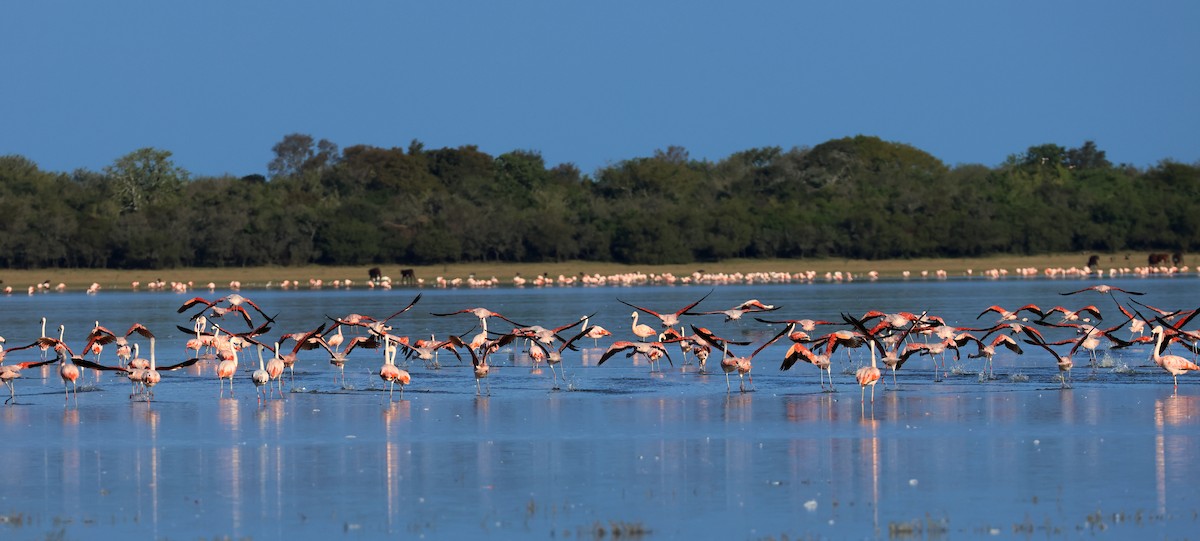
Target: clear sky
x: 218, y: 83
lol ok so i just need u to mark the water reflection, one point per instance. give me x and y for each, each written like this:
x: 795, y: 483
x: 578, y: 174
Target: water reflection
x: 269, y: 415
x: 1171, y: 451
x: 146, y: 460
x: 870, y: 452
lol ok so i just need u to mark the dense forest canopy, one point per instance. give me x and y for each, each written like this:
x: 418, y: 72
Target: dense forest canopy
x: 856, y: 197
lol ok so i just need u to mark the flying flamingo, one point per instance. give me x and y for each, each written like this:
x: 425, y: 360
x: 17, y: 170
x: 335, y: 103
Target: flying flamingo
x: 377, y: 327
x: 799, y: 351
x: 338, y: 358
x: 1073, y: 315
x: 306, y: 340
x: 427, y: 350
x: 10, y: 372
x: 553, y: 356
x: 988, y: 350
x: 651, y: 350
x: 67, y: 370
x: 1173, y: 364
x: 481, y: 313
x: 147, y: 377
x: 806, y: 325
x: 732, y: 363
x: 235, y: 305
x: 1006, y: 315
x: 737, y: 312
x: 1064, y: 362
x: 894, y: 355
x: 1102, y: 288
x: 668, y: 320
x: 479, y: 361
x: 151, y: 376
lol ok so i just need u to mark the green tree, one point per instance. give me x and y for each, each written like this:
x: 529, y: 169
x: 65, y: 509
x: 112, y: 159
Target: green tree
x: 144, y: 176
x: 297, y: 153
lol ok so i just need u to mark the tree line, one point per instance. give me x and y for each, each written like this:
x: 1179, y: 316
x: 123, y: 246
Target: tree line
x: 855, y: 197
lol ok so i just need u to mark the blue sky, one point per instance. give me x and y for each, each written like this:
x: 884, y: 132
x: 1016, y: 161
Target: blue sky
x: 218, y: 83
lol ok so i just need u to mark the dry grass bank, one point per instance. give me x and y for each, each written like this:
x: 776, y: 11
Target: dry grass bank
x: 261, y: 276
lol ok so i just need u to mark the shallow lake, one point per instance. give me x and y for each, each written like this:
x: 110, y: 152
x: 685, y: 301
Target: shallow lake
x: 620, y: 451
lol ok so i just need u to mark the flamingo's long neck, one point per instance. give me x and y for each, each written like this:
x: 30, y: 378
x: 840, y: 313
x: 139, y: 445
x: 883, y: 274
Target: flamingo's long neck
x: 1157, y: 346
x: 151, y: 353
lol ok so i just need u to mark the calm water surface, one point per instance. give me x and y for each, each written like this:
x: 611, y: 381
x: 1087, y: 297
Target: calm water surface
x: 660, y: 455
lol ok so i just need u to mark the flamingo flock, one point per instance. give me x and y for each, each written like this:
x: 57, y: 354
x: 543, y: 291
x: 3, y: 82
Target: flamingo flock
x: 891, y: 340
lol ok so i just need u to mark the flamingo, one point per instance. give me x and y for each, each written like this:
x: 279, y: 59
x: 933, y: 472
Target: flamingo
x: 68, y: 371
x: 479, y: 361
x: 338, y: 358
x: 227, y: 368
x: 427, y: 350
x: 1073, y: 315
x: 893, y: 357
x: 1006, y: 315
x: 392, y: 374
x: 148, y: 376
x: 235, y: 305
x: 275, y: 368
x: 378, y: 327
x: 1173, y: 364
x: 1064, y: 362
x: 307, y: 340
x: 595, y: 332
x: 642, y: 331
x: 868, y: 375
x: 806, y: 325
x: 988, y: 351
x: 1102, y: 288
x: 651, y: 350
x: 553, y: 356
x: 668, y: 320
x: 732, y: 363
x: 260, y: 377
x: 737, y: 312
x: 10, y: 372
x: 798, y: 351
x: 481, y: 313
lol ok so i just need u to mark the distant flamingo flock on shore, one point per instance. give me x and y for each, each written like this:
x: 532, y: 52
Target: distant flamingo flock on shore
x: 632, y: 279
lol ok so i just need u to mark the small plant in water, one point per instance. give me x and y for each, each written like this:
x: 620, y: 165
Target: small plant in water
x: 619, y: 530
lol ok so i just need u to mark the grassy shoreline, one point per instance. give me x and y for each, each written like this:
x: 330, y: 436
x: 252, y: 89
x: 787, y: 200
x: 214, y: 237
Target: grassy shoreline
x: 257, y: 277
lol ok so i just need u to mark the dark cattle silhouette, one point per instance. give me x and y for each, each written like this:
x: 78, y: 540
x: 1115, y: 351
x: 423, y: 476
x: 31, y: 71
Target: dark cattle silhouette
x: 1177, y: 259
x: 376, y: 274
x: 408, y: 276
x: 1093, y: 262
x: 1157, y: 259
